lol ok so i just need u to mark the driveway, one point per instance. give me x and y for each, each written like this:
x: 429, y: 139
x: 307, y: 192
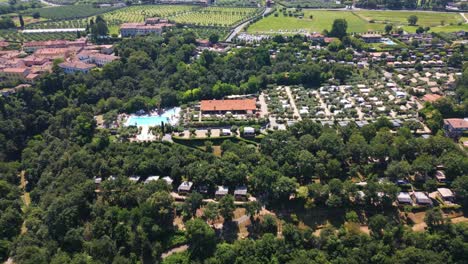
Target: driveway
x: 240, y: 27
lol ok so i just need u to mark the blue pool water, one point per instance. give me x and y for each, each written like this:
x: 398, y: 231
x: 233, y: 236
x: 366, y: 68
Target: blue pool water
x: 146, y: 120
x: 388, y: 41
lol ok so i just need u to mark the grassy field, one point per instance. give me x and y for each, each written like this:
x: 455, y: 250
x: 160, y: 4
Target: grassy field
x: 425, y: 19
x: 320, y: 21
x: 358, y: 21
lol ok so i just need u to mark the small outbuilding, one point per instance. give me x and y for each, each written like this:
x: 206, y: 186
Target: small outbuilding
x: 422, y: 199
x: 240, y: 193
x: 151, y: 179
x: 168, y: 180
x: 440, y: 176
x: 404, y: 198
x: 446, y: 194
x: 221, y: 192
x: 185, y: 187
x: 249, y: 132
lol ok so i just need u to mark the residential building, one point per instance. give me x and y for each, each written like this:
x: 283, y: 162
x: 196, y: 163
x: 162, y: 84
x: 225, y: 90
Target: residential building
x: 151, y: 26
x: 371, y: 38
x: 96, y: 58
x: 32, y: 46
x: 455, y: 127
x: 12, y: 75
x: 76, y: 66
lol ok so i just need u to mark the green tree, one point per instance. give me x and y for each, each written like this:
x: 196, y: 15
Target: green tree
x: 339, y: 28
x: 227, y: 207
x: 20, y: 17
x: 214, y: 38
x: 376, y: 224
x: 201, y: 239
x: 412, y: 20
x: 192, y: 203
x: 388, y: 28
x: 433, y: 218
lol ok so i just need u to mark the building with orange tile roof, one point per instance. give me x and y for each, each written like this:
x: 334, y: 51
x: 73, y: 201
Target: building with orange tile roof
x: 455, y: 127
x: 431, y: 97
x: 237, y: 106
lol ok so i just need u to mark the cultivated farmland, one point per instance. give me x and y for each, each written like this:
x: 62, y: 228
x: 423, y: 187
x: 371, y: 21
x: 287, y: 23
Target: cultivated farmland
x: 215, y: 16
x: 69, y: 12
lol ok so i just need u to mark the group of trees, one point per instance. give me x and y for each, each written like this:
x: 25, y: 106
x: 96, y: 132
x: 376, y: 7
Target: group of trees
x: 49, y: 132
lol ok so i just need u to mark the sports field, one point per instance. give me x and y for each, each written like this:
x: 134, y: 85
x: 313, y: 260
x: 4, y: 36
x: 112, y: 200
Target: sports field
x: 358, y: 21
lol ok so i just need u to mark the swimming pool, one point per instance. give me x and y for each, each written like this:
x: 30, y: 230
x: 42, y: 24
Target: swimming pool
x: 169, y: 116
x: 146, y: 120
x: 388, y: 41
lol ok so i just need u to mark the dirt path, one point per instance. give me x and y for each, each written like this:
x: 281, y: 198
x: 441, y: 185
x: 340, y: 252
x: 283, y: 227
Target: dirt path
x: 174, y: 250
x: 25, y: 197
x: 464, y: 17
x: 293, y: 102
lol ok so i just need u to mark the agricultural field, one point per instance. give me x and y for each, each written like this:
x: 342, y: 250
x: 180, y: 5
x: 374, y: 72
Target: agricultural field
x: 219, y: 16
x: 312, y: 21
x: 16, y: 36
x: 210, y: 16
x: 139, y: 13
x: 233, y: 3
x: 69, y: 12
x: 310, y: 4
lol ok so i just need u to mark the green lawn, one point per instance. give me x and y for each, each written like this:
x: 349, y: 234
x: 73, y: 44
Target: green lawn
x: 425, y: 19
x: 321, y: 20
x: 358, y: 21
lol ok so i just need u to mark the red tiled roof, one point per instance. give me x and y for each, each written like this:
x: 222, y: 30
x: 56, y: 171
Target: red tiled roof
x: 431, y: 97
x: 457, y: 122
x: 15, y: 70
x: 228, y: 105
x: 76, y: 65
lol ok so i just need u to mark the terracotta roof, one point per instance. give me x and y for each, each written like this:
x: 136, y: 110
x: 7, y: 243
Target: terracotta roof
x: 457, y: 122
x: 431, y: 97
x: 15, y: 70
x: 228, y: 105
x: 76, y: 65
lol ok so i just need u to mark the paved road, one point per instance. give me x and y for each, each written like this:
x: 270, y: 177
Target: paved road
x: 49, y: 3
x: 241, y: 26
